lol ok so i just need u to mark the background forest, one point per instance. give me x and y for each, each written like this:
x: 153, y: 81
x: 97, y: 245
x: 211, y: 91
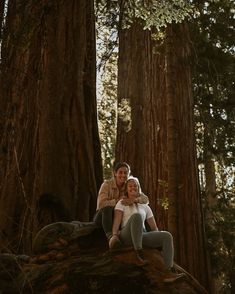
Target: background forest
x: 212, y: 65
x: 84, y: 84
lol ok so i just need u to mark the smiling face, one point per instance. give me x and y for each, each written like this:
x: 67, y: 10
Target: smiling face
x: 132, y: 188
x: 121, y: 175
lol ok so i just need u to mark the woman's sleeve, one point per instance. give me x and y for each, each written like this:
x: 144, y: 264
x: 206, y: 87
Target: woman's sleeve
x: 149, y: 212
x: 119, y: 206
x: 103, y: 197
x: 150, y: 219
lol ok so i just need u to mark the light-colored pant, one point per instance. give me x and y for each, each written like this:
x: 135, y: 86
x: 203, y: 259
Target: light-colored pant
x: 133, y: 234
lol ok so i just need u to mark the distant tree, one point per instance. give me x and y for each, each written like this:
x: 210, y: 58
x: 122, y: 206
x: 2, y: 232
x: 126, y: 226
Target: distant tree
x: 213, y: 80
x: 143, y: 118
x: 107, y: 114
x: 107, y: 54
x: 212, y: 43
x: 140, y: 112
x: 2, y: 5
x: 50, y: 151
x: 158, y: 90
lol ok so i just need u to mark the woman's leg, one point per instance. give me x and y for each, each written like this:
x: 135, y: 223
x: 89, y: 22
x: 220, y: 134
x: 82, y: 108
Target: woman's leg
x: 132, y: 233
x: 104, y: 218
x: 162, y: 239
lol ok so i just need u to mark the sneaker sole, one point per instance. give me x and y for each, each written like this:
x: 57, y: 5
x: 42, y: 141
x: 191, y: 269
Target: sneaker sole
x: 172, y: 280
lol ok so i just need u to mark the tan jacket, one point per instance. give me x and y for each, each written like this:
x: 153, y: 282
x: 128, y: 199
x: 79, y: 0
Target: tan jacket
x: 109, y: 195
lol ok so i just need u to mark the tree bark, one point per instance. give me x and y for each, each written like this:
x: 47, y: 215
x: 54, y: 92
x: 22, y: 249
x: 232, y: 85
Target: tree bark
x: 160, y: 158
x: 173, y: 181
x: 192, y: 247
x: 51, y: 160
x: 144, y: 90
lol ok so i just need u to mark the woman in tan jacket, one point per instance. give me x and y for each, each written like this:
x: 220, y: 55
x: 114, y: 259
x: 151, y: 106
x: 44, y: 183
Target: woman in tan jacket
x: 111, y: 191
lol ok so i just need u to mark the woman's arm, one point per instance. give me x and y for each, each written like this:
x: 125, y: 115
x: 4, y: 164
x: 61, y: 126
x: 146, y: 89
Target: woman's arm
x: 118, y: 214
x: 152, y: 224
x: 103, y: 197
x: 142, y: 199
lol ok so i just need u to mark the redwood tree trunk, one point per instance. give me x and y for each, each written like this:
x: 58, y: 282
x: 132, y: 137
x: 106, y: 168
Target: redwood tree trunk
x: 142, y: 80
x: 145, y: 142
x: 50, y: 146
x: 171, y: 127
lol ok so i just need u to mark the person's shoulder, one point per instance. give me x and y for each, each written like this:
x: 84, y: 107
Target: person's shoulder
x: 111, y: 183
x: 107, y: 182
x: 120, y: 202
x: 145, y: 206
x: 119, y: 205
x: 104, y: 186
x: 148, y: 209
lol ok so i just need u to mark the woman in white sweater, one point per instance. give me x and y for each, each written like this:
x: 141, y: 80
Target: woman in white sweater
x: 129, y: 228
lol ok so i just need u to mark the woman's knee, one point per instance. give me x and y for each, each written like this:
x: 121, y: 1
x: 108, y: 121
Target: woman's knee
x: 167, y: 236
x: 136, y: 219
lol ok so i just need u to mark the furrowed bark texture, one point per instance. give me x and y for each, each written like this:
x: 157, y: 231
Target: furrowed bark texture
x: 50, y: 150
x: 172, y: 131
x: 142, y: 80
x: 144, y: 90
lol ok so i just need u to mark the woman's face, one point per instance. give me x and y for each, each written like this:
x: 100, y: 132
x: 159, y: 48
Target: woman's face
x: 132, y: 189
x: 121, y: 175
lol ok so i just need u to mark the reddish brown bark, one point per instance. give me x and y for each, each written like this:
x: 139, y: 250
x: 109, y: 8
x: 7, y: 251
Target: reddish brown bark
x: 171, y: 126
x: 51, y: 160
x: 142, y: 79
x: 145, y: 91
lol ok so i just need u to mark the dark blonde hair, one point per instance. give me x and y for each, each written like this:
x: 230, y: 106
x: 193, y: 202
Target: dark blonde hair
x: 131, y: 178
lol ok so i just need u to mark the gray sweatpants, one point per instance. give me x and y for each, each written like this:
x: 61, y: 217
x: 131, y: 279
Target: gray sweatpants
x: 133, y: 234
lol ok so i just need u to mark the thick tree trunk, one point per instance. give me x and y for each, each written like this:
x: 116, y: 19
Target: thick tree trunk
x: 173, y: 181
x: 145, y: 142
x: 51, y: 160
x: 192, y: 247
x: 142, y: 80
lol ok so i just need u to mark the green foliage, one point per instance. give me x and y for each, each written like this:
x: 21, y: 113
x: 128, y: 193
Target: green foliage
x: 124, y: 113
x: 214, y: 91
x: 163, y: 200
x: 212, y: 31
x: 221, y: 240
x: 106, y: 33
x: 107, y: 21
x: 156, y: 13
x: 107, y: 114
x: 114, y: 15
x: 111, y: 15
